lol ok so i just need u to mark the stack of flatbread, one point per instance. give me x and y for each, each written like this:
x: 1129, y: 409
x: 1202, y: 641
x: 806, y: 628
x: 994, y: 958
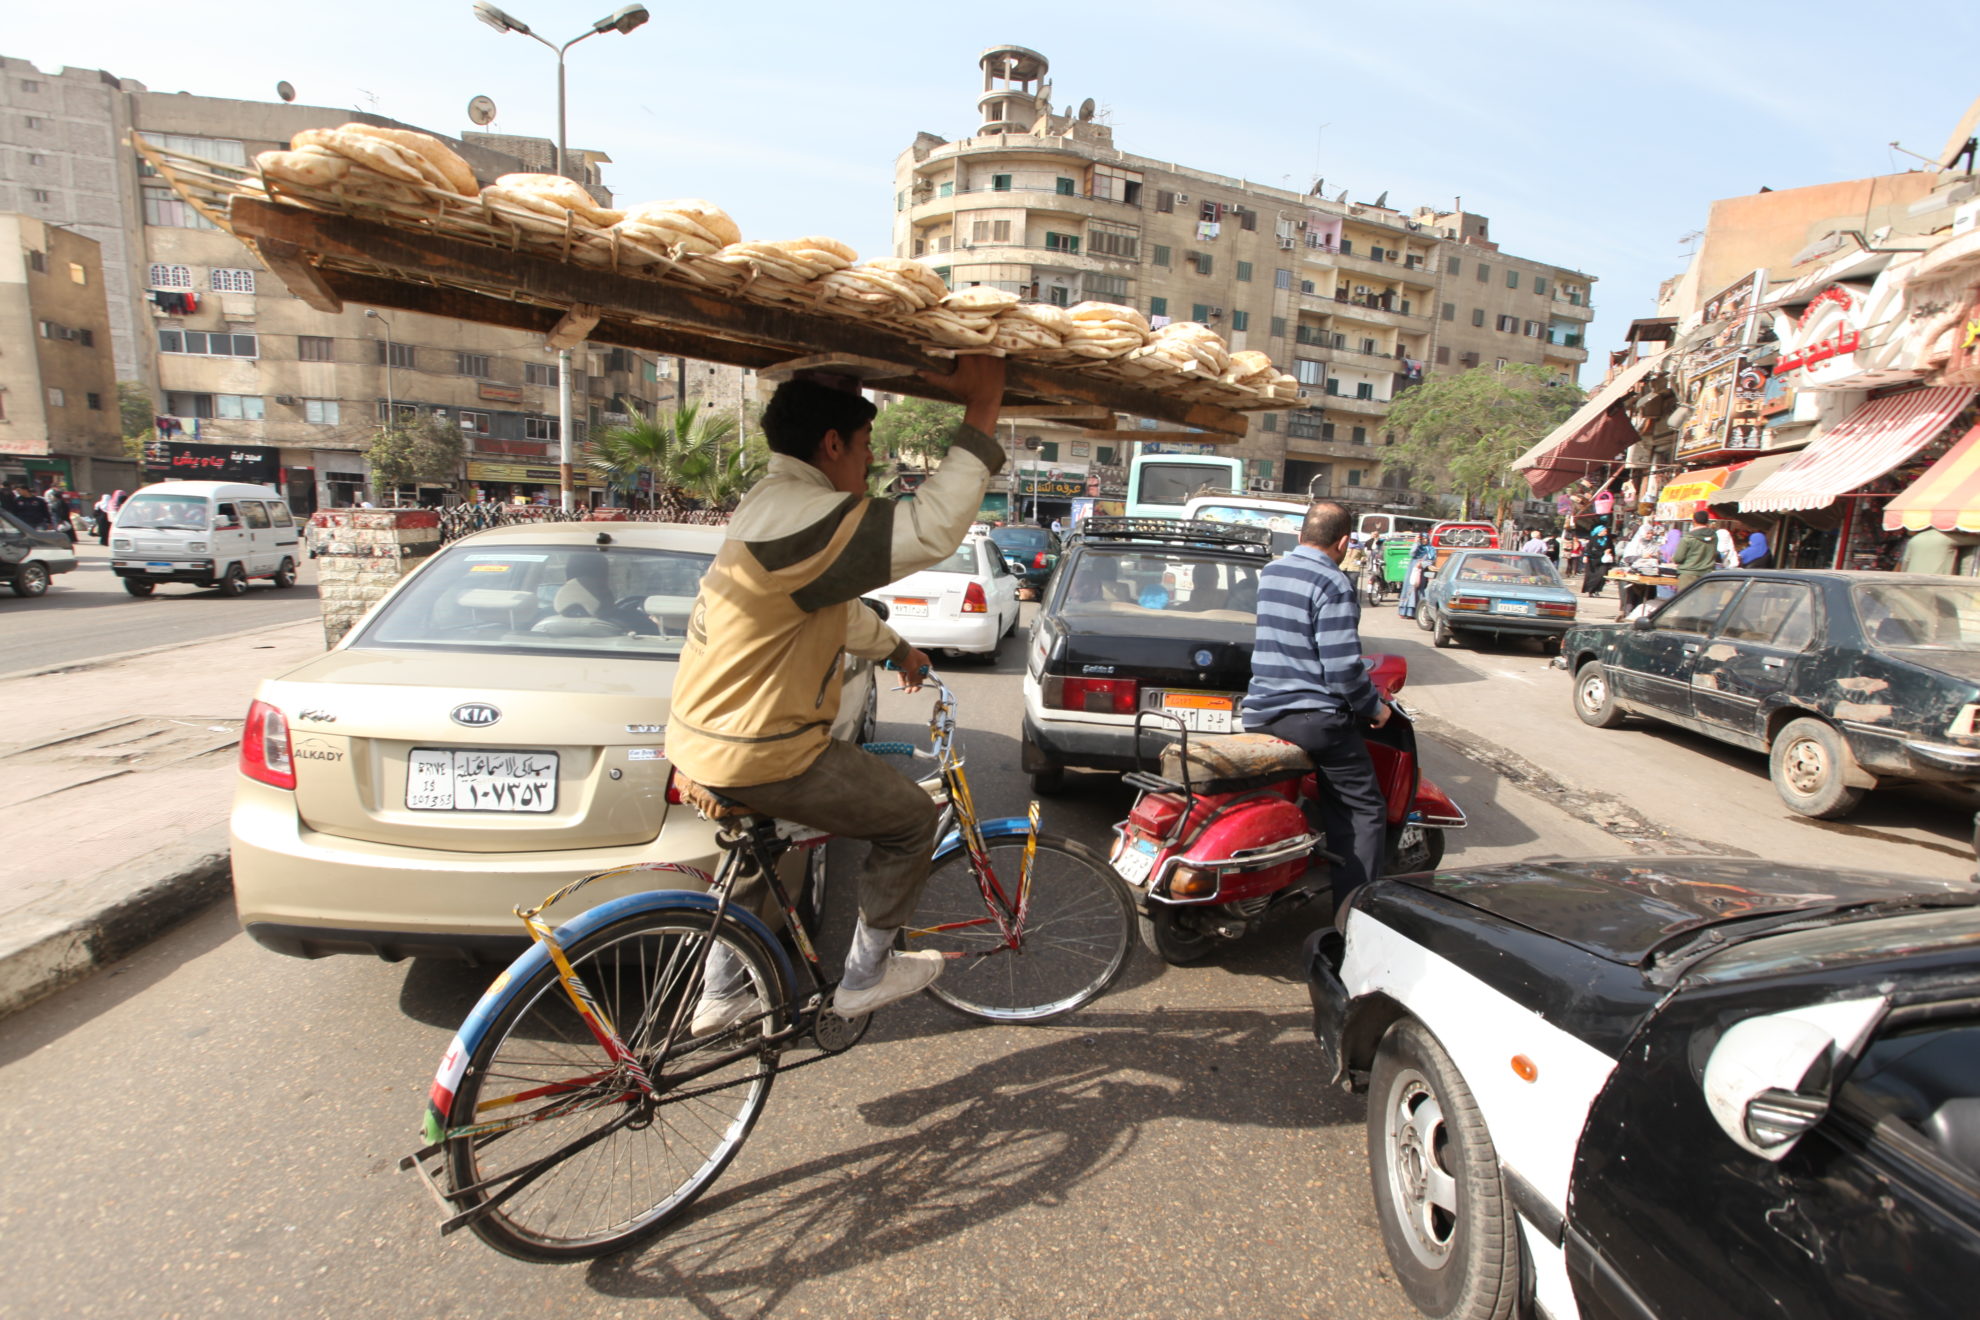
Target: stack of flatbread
x: 656, y: 231
x: 1032, y: 329
x: 883, y: 286
x: 362, y: 158
x: 1188, y: 347
x: 1105, y: 330
x: 966, y: 318
x: 787, y: 268
x: 1253, y: 370
x: 546, y: 204
x: 1284, y: 386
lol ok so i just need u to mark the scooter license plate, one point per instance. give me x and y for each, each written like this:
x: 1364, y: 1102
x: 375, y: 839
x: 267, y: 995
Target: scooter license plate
x: 1134, y: 859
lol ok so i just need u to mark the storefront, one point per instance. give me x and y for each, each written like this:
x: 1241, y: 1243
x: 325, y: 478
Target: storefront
x: 527, y: 483
x: 179, y: 460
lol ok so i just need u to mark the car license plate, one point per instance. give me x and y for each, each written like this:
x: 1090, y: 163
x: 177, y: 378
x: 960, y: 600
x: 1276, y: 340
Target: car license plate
x: 1515, y: 607
x: 1200, y: 712
x: 909, y: 608
x: 456, y: 779
x: 157, y: 568
x: 1134, y: 859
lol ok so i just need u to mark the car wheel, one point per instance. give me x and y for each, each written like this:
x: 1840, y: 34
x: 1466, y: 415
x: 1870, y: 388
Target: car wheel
x: 234, y: 581
x: 31, y: 579
x: 1441, y: 631
x: 1594, y: 698
x: 139, y: 587
x: 1423, y: 618
x: 285, y: 576
x: 1807, y: 765
x: 1446, y: 1221
x: 1169, y: 935
x: 1413, y: 848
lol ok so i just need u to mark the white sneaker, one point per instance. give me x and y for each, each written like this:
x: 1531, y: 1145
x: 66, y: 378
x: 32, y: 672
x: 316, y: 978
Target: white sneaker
x: 716, y: 1013
x: 906, y: 973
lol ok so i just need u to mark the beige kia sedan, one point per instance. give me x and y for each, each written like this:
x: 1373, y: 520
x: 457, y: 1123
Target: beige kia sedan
x: 493, y: 729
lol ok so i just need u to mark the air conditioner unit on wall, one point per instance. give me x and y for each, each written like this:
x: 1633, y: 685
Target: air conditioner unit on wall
x: 289, y: 399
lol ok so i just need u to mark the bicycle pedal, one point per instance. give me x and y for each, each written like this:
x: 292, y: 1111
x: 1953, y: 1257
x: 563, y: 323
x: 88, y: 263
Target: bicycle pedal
x: 835, y: 1034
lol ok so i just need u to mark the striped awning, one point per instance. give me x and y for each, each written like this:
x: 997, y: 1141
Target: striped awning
x: 1871, y: 441
x: 1597, y: 434
x: 1946, y: 497
x: 1687, y: 492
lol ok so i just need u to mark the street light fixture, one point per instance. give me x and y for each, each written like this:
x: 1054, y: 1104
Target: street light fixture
x: 621, y: 21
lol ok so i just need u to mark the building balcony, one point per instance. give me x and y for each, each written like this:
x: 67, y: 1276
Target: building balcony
x: 1347, y: 403
x: 1569, y: 350
x: 1398, y: 269
x: 1581, y: 311
x: 1350, y: 309
x: 1304, y: 448
x: 1018, y: 254
x: 929, y: 209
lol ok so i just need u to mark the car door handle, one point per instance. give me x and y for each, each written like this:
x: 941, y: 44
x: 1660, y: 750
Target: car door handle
x: 1691, y: 649
x: 1772, y: 662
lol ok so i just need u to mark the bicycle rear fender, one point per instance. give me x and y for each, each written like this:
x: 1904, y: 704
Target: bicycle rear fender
x: 517, y: 974
x: 992, y: 829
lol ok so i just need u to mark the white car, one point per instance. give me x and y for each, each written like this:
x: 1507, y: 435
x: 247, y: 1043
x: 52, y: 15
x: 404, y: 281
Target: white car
x: 965, y: 605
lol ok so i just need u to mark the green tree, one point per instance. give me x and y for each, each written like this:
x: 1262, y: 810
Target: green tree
x: 683, y: 451
x: 1460, y: 434
x: 917, y: 427
x: 137, y: 417
x: 411, y: 449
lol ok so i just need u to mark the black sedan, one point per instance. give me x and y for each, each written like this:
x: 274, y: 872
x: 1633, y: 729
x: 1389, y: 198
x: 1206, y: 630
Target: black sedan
x: 1680, y: 1087
x: 1847, y: 680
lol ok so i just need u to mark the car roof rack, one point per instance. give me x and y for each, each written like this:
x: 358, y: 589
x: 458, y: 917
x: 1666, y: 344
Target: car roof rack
x: 1221, y: 536
x: 1251, y: 493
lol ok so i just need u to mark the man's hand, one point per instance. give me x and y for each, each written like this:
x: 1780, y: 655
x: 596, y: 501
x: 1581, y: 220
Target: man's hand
x: 1381, y: 716
x: 915, y: 671
x: 978, y: 384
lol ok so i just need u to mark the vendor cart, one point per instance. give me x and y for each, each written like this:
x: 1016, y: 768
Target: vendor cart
x: 1386, y: 566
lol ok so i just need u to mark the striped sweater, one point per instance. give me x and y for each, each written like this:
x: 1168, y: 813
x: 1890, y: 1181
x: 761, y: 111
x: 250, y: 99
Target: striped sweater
x: 1308, y: 652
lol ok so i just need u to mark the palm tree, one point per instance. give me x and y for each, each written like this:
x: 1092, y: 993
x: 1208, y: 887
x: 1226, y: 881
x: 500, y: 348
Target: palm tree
x: 678, y: 449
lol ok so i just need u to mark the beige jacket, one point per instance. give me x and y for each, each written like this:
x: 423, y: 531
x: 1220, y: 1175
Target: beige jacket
x: 758, y: 686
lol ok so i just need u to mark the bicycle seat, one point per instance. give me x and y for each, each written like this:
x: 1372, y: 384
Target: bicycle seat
x: 711, y: 805
x: 1235, y: 762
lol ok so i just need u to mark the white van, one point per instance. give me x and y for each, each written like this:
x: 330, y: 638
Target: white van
x: 1279, y: 515
x: 212, y: 533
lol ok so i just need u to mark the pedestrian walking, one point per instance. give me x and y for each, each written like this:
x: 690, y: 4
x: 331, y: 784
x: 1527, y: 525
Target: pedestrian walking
x: 1596, y: 557
x: 1698, y: 551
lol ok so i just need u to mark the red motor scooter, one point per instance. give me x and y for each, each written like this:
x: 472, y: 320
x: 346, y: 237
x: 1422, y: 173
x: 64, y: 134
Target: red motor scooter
x: 1224, y: 836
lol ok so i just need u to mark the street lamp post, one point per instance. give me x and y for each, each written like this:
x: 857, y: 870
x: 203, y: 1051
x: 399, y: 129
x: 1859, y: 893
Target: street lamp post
x: 621, y: 21
x: 391, y: 404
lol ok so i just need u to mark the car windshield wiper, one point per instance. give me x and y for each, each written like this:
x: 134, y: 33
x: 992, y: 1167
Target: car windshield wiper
x: 1680, y: 949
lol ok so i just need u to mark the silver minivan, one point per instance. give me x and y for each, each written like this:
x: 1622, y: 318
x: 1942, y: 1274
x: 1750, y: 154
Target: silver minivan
x: 210, y: 533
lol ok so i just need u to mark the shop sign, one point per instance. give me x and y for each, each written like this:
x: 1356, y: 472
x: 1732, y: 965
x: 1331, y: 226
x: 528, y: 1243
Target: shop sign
x: 524, y: 473
x: 500, y: 393
x: 179, y: 461
x: 1820, y: 348
x: 1735, y: 302
x: 1963, y: 366
x: 1053, y: 487
x: 1175, y: 447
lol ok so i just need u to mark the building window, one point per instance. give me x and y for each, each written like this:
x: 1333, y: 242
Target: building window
x: 95, y: 402
x: 1281, y: 278
x: 37, y: 260
x: 1271, y: 423
x: 41, y: 195
x: 30, y: 85
x: 77, y: 275
x: 1347, y: 247
x: 404, y: 412
x: 1103, y: 455
x: 474, y: 423
x: 1540, y: 285
x: 1358, y: 436
x: 1450, y: 311
x: 946, y: 188
x: 231, y: 281
x: 1244, y: 272
x: 1240, y: 320
x: 1199, y: 312
x: 1444, y: 355
x: 1452, y: 266
x: 1484, y: 272
x: 1354, y: 476
x: 1048, y: 451
x: 1308, y: 371
x: 1326, y: 430
x: 1065, y: 187
x: 1164, y: 200
x: 179, y: 404
x: 1368, y: 348
x: 313, y: 348
x: 1105, y: 286
x: 539, y: 428
x: 393, y: 354
x: 471, y: 364
x: 1508, y: 325
x: 1158, y: 306
x: 321, y: 412
x: 162, y: 208
x: 1000, y: 183
x: 1061, y: 242
x: 1161, y: 255
x: 165, y: 276
x: 238, y: 407
x: 1502, y: 364
x: 198, y: 343
x: 1364, y: 390
x: 1512, y: 278
x: 57, y: 399
x: 1278, y: 327
x: 85, y: 337
x: 1478, y: 317
x: 1203, y: 263
x: 1057, y: 296
x: 1468, y: 360
x: 1113, y: 243
x: 1533, y: 329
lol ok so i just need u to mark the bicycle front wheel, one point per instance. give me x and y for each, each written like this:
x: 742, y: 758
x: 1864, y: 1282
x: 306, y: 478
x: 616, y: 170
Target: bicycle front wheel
x: 617, y: 1163
x: 1077, y: 933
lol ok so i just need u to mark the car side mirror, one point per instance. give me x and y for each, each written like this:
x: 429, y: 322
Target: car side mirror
x: 1640, y: 624
x: 1768, y: 1079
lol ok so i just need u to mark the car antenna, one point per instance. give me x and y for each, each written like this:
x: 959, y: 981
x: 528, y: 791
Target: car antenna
x: 604, y: 538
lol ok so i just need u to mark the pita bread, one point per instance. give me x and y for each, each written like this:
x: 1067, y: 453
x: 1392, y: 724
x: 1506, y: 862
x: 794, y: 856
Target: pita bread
x: 701, y: 218
x: 452, y: 172
x: 309, y: 167
x: 557, y: 191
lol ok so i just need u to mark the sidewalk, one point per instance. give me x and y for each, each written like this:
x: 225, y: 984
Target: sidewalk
x: 117, y: 778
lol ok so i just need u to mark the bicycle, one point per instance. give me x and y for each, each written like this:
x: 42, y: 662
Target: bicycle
x: 555, y: 1133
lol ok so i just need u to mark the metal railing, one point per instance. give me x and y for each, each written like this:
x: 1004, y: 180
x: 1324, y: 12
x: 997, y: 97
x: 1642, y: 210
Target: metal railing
x: 461, y: 520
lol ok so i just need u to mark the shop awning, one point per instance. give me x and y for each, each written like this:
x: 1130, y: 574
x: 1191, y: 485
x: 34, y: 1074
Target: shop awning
x: 1690, y: 491
x: 1871, y: 441
x: 1748, y: 478
x: 1597, y: 433
x: 1946, y: 497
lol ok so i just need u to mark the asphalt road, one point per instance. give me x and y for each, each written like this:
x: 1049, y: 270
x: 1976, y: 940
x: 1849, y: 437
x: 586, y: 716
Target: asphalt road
x: 87, y: 614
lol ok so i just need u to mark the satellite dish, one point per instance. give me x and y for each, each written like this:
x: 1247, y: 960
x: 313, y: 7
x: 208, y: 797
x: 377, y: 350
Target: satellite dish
x: 482, y: 110
x: 1343, y: 196
x: 1086, y: 111
x: 285, y: 90
x: 1383, y: 200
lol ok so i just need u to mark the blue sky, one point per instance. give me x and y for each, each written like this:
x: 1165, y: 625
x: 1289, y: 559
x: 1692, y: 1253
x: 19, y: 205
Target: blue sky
x: 1593, y: 134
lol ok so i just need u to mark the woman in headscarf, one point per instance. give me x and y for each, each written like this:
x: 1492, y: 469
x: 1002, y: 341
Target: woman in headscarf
x: 106, y: 513
x: 1596, y: 559
x: 1415, y: 577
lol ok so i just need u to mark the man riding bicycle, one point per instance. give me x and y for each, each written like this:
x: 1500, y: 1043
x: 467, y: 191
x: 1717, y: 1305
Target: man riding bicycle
x: 759, y: 679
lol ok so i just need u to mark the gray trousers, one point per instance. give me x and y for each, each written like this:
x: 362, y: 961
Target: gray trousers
x: 856, y: 796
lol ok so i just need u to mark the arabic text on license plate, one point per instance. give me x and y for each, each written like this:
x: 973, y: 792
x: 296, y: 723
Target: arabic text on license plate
x: 157, y: 568
x: 456, y: 779
x: 910, y: 609
x: 1134, y: 859
x: 1515, y: 607
x: 1201, y: 712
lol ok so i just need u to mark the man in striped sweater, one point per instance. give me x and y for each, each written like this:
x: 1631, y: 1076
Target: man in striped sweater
x: 1310, y: 687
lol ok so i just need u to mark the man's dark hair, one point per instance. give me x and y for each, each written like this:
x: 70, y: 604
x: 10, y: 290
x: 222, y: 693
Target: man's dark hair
x: 1326, y: 522
x: 802, y: 411
x: 1699, y: 517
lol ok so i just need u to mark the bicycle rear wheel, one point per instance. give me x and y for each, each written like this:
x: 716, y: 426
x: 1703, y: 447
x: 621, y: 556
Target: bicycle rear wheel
x: 620, y: 1164
x: 1076, y: 938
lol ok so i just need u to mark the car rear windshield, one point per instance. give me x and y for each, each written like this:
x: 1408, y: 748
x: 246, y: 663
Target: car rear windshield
x: 1159, y: 584
x: 1029, y: 538
x: 962, y: 561
x: 1927, y: 616
x: 1174, y: 483
x: 160, y: 513
x: 1509, y: 570
x: 1282, y: 524
x: 549, y: 598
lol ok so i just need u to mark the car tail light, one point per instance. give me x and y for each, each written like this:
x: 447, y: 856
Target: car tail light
x: 1094, y: 696
x: 265, y: 747
x: 1038, y: 560
x: 974, y: 601
x: 1966, y: 723
x: 1470, y: 603
x: 1556, y: 609
x: 674, y: 798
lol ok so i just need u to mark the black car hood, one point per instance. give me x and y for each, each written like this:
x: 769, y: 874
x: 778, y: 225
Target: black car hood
x: 1622, y: 909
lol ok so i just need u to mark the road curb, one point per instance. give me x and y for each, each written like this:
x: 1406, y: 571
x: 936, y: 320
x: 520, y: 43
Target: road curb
x: 75, y: 666
x: 109, y: 916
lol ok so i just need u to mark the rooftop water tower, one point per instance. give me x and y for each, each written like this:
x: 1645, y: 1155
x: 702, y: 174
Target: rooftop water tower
x: 1015, y: 92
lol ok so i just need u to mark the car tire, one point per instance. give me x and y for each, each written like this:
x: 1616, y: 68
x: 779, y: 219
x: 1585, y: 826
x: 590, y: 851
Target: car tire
x: 234, y: 581
x: 1595, y: 697
x: 1441, y: 631
x: 31, y: 579
x: 1413, y: 848
x: 285, y: 576
x: 139, y: 587
x: 1165, y: 936
x: 1447, y: 1223
x: 1806, y: 764
x: 1423, y: 617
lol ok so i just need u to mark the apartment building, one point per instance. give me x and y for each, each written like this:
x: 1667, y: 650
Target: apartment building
x: 1348, y: 297
x: 58, y: 382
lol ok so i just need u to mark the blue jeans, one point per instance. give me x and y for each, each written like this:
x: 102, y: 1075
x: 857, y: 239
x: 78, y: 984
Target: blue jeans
x: 1352, y: 810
